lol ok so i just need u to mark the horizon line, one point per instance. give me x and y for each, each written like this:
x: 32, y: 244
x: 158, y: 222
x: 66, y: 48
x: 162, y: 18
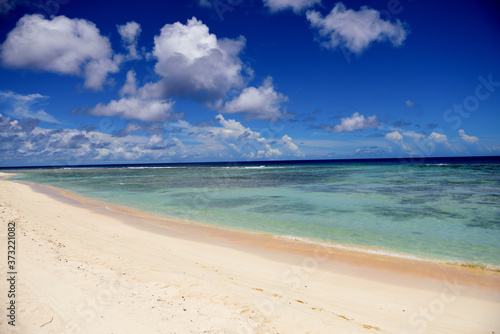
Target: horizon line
x: 250, y: 162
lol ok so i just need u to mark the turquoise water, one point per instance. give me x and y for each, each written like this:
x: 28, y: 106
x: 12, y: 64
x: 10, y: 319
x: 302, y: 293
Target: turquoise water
x: 444, y: 212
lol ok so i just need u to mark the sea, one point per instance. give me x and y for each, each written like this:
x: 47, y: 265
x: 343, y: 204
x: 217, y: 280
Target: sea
x: 436, y: 209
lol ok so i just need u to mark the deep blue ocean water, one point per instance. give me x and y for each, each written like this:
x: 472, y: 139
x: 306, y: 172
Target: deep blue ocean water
x: 445, y: 209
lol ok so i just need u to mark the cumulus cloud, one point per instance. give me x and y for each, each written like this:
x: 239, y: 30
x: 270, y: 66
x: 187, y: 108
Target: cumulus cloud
x: 129, y: 33
x: 466, y: 138
x: 158, y: 142
x: 257, y: 103
x: 251, y: 144
x: 24, y: 142
x: 290, y: 146
x: 396, y: 141
x: 438, y: 137
x: 130, y: 86
x: 355, y: 30
x: 22, y: 106
x: 132, y: 127
x: 356, y: 122
x: 234, y: 140
x: 414, y: 135
x: 394, y: 136
x: 296, y: 5
x: 24, y: 125
x: 60, y: 45
x: 243, y: 139
x: 421, y: 145
x: 233, y: 129
x: 136, y: 108
x: 194, y: 63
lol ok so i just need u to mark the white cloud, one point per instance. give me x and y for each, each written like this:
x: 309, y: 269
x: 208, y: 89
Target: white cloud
x: 131, y: 127
x: 355, y: 30
x: 289, y: 146
x: 257, y: 103
x: 249, y: 143
x: 234, y: 141
x: 396, y: 141
x: 136, y: 108
x: 438, y: 137
x: 21, y: 106
x: 269, y: 152
x: 419, y: 137
x: 157, y: 142
x: 296, y: 5
x: 130, y: 34
x: 193, y: 41
x: 410, y: 103
x: 130, y: 84
x: 434, y: 144
x: 356, y: 122
x: 414, y: 135
x: 194, y: 63
x: 394, y: 137
x: 233, y: 129
x: 24, y: 142
x: 61, y: 45
x: 466, y: 138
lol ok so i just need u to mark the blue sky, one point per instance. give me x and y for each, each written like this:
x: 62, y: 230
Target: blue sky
x: 222, y: 80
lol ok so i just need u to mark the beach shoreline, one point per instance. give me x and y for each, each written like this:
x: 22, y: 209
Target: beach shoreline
x: 293, y: 282
x: 260, y: 243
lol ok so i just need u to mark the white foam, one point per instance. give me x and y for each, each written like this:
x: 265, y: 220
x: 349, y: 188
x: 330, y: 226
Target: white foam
x: 385, y: 252
x: 240, y: 167
x: 153, y: 167
x: 369, y: 250
x: 437, y: 164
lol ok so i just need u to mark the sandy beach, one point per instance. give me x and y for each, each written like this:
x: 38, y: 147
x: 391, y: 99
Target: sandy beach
x: 84, y: 267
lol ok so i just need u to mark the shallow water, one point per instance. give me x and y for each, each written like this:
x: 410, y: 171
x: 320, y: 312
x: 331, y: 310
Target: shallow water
x: 444, y: 212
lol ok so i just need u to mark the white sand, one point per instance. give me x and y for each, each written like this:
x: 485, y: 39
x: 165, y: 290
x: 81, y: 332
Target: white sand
x: 89, y: 270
